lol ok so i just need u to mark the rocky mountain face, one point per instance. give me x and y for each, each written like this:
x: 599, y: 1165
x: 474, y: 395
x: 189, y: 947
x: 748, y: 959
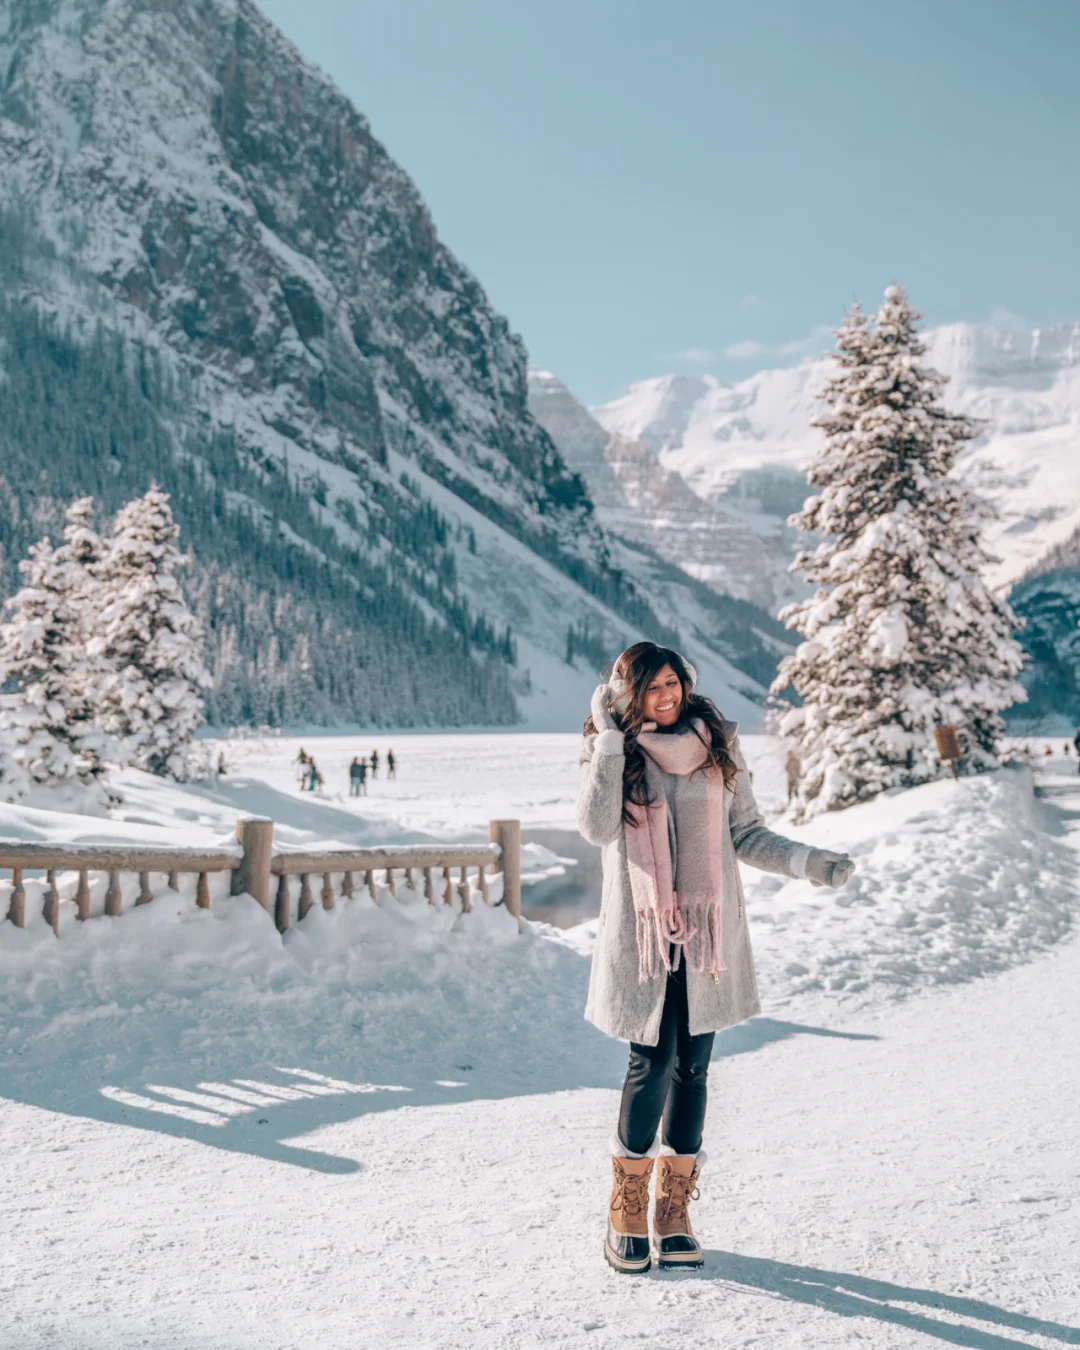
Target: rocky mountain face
x: 640, y: 500
x: 185, y: 156
x: 741, y: 448
x: 202, y: 239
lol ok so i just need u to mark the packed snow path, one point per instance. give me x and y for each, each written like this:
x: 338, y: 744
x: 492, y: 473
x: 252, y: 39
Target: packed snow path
x: 904, y: 1176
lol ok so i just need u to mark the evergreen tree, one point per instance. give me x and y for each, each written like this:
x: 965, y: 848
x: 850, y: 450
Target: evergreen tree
x: 82, y: 551
x: 902, y: 634
x: 81, y: 555
x: 49, y: 730
x: 150, y: 640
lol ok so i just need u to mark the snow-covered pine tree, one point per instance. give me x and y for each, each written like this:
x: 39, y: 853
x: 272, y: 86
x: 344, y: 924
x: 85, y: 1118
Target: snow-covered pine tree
x: 82, y: 551
x: 80, y: 556
x: 150, y: 640
x: 49, y: 732
x: 902, y: 634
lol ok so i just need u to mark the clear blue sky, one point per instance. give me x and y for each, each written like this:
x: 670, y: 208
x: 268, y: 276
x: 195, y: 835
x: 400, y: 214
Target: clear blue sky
x: 654, y: 185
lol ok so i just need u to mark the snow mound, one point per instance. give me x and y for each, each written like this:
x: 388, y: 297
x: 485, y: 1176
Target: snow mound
x: 955, y: 880
x: 209, y: 1024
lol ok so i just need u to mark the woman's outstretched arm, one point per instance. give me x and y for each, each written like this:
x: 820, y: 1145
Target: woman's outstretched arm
x: 760, y: 847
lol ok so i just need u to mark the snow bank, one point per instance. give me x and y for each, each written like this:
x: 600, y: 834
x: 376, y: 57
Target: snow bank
x: 955, y: 880
x: 205, y: 1022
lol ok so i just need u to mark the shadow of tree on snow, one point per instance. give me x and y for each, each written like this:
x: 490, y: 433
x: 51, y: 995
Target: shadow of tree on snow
x: 265, y: 1110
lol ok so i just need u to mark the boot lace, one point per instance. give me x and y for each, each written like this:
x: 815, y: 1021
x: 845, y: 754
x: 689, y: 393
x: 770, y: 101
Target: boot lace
x: 631, y: 1192
x: 676, y: 1192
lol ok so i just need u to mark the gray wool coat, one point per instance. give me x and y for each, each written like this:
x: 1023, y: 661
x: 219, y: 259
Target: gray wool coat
x: 620, y: 1003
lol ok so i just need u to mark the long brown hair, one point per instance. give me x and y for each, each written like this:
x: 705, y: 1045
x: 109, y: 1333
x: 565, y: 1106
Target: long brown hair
x: 637, y: 667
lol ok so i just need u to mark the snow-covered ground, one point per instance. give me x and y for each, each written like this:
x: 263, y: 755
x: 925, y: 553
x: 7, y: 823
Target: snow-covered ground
x: 390, y: 1127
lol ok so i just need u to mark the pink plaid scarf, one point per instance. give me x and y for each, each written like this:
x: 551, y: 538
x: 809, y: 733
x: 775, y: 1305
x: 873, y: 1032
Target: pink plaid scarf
x: 688, y: 919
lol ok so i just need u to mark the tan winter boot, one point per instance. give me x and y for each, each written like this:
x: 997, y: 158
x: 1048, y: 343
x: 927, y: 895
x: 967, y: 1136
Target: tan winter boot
x: 676, y: 1178
x: 627, y: 1243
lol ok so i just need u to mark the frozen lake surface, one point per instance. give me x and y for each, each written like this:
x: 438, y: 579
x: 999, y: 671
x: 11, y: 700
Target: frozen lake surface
x: 451, y: 785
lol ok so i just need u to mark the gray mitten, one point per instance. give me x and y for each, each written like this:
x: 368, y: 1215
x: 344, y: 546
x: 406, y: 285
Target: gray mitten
x: 609, y: 740
x: 825, y: 868
x: 601, y: 712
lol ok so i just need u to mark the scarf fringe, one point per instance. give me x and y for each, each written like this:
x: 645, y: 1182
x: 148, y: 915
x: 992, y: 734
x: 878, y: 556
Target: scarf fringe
x: 700, y: 941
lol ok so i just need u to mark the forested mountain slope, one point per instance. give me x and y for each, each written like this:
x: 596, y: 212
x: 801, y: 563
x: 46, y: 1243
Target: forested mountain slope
x: 1048, y: 602
x: 213, y: 274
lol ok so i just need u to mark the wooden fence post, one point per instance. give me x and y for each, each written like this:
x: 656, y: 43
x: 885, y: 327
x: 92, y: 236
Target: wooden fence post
x: 17, y: 907
x: 507, y: 834
x: 255, y: 834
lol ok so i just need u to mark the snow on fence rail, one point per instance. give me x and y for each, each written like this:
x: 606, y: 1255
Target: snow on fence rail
x: 253, y: 861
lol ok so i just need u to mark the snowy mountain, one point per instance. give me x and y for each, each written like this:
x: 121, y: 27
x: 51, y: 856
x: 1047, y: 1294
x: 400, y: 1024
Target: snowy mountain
x: 639, y: 499
x: 743, y: 446
x: 240, y: 294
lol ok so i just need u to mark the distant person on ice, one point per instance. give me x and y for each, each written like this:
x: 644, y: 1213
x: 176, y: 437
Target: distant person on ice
x: 793, y: 768
x: 391, y: 764
x: 355, y: 773
x: 374, y: 763
x: 302, y: 769
x: 665, y: 792
x: 221, y: 764
x: 314, y: 777
x: 1076, y: 742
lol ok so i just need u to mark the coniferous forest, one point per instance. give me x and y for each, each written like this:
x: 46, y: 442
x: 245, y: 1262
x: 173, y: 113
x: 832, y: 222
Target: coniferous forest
x: 294, y: 633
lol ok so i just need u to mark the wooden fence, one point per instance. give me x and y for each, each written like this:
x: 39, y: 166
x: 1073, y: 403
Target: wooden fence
x: 253, y: 861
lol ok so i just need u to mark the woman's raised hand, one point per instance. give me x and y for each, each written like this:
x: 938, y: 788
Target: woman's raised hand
x: 825, y: 868
x: 600, y: 709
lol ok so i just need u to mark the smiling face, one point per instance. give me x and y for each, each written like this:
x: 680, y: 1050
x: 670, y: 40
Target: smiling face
x: 663, y: 698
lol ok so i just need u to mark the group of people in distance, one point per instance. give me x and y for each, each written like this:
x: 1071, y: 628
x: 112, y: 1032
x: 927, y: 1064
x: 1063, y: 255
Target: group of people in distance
x: 1065, y: 749
x: 360, y: 768
x: 309, y: 779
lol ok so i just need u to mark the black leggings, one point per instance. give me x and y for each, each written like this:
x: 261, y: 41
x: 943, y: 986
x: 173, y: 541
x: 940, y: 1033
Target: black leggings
x: 667, y: 1079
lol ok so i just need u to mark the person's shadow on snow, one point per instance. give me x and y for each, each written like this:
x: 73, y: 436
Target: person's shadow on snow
x: 747, y: 1037
x: 859, y: 1296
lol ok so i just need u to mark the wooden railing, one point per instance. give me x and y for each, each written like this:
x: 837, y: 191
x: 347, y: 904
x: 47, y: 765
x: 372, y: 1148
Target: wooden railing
x: 253, y: 861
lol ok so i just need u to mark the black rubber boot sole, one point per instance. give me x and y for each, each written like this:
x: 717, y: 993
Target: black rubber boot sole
x: 622, y: 1267
x: 667, y: 1263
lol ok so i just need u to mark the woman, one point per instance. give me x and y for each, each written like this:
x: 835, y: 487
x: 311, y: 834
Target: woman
x: 665, y: 791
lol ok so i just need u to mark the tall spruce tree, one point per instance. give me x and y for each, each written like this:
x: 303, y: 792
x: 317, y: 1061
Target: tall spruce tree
x: 902, y: 634
x: 49, y: 729
x: 81, y: 556
x: 150, y: 640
